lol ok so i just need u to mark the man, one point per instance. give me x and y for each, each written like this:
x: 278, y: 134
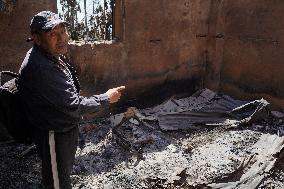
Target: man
x: 49, y: 92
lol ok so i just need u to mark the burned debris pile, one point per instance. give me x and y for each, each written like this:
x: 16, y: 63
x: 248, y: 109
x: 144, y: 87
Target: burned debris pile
x: 206, y: 140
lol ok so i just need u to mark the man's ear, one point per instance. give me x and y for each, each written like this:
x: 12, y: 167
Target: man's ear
x: 36, y: 38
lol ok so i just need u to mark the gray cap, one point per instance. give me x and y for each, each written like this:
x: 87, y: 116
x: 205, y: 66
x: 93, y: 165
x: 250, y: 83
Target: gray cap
x: 45, y: 21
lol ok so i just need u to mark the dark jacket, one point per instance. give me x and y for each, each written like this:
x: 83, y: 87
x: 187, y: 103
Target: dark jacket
x: 49, y: 95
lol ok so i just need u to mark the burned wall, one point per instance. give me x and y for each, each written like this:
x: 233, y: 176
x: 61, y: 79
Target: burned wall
x: 155, y: 45
x: 15, y: 16
x: 234, y: 46
x: 246, y: 56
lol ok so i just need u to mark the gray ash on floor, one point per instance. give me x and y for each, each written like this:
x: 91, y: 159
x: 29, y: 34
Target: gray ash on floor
x: 189, y: 158
x: 17, y: 170
x: 201, y: 156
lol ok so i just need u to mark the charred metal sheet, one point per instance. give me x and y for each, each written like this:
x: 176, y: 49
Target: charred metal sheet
x: 214, y: 110
x: 254, y: 169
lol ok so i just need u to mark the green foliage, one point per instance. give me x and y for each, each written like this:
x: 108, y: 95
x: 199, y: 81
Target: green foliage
x: 96, y: 26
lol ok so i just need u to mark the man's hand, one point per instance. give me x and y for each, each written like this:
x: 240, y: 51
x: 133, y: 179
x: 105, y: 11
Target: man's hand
x: 115, y: 93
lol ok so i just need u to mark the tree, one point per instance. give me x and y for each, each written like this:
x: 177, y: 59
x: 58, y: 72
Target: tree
x: 97, y: 26
x: 70, y: 8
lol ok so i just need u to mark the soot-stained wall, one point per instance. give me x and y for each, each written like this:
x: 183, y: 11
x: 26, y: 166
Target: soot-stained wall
x: 15, y: 16
x: 246, y: 60
x: 156, y: 49
x: 231, y: 46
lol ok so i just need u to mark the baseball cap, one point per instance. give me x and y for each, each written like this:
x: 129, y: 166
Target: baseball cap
x: 45, y: 21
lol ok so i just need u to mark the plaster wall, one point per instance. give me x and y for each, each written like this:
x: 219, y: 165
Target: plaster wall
x: 246, y: 61
x: 166, y: 46
x: 156, y: 45
x: 15, y: 16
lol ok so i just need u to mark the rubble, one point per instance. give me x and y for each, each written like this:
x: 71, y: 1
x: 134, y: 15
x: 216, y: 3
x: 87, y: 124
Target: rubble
x: 206, y: 108
x: 130, y: 150
x: 277, y: 114
x: 257, y: 165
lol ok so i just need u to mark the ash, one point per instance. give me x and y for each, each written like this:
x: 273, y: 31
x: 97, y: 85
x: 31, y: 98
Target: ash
x: 151, y: 157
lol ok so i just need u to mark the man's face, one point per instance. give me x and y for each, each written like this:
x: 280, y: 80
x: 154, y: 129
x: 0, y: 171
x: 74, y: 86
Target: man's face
x: 55, y: 41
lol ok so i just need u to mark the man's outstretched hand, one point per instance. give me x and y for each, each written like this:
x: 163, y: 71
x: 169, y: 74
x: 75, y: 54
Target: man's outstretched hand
x: 115, y: 93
